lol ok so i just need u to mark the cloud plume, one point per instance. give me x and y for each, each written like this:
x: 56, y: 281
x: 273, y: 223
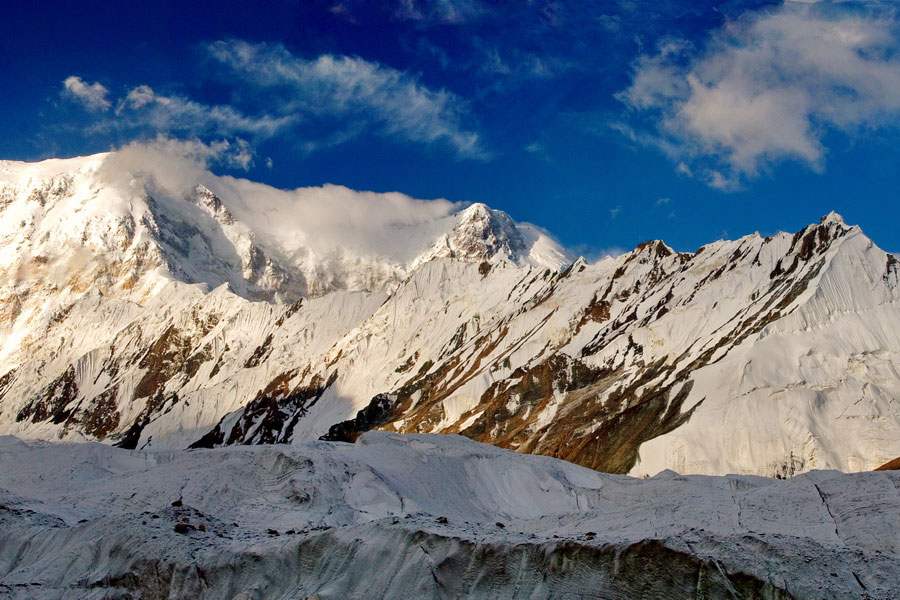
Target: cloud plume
x: 174, y: 165
x: 321, y: 218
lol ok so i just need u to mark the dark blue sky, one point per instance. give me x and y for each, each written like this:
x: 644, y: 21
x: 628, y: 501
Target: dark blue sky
x: 608, y: 123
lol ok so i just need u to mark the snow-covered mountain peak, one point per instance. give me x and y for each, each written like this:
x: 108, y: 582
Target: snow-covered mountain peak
x: 475, y: 211
x: 833, y: 218
x: 482, y: 234
x: 203, y: 196
x: 12, y: 171
x: 653, y: 250
x: 485, y: 234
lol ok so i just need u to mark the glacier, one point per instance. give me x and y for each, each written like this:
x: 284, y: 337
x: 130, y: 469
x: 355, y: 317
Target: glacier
x: 427, y: 516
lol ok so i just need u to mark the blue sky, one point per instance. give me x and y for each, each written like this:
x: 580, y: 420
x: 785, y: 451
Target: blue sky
x: 608, y: 123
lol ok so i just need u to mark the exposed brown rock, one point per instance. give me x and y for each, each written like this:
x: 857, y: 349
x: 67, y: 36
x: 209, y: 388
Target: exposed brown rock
x: 5, y: 381
x: 893, y: 465
x: 892, y: 268
x: 54, y: 401
x: 161, y: 361
x: 270, y: 418
x: 101, y: 416
x: 377, y: 413
x: 260, y: 354
x: 597, y: 311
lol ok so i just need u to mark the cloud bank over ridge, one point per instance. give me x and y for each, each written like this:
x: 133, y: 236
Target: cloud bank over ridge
x: 323, y: 218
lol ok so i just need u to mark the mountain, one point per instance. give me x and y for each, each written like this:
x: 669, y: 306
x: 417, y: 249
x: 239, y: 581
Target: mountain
x: 161, y: 308
x: 128, y: 232
x: 428, y: 516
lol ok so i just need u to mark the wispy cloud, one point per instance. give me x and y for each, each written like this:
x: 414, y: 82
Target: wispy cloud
x: 355, y: 94
x: 142, y: 110
x: 538, y: 150
x: 143, y: 106
x: 440, y: 11
x: 767, y: 88
x: 320, y: 102
x: 92, y: 95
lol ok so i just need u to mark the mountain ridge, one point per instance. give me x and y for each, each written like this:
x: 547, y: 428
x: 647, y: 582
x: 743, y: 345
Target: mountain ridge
x: 768, y: 356
x: 249, y: 235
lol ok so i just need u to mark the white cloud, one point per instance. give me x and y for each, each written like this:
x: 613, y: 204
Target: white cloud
x: 321, y: 102
x: 174, y: 165
x: 614, y: 212
x: 91, y: 95
x: 353, y: 94
x: 139, y: 97
x: 143, y: 110
x: 323, y: 218
x: 662, y: 201
x: 143, y: 106
x: 655, y: 81
x: 767, y: 89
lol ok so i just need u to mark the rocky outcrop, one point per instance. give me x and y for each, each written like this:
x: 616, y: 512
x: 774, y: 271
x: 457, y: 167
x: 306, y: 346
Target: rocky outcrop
x: 893, y: 465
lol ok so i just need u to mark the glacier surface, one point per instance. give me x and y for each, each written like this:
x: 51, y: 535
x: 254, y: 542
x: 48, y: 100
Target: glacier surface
x: 427, y: 516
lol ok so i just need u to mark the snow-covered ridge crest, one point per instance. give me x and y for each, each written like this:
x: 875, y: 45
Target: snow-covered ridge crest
x: 168, y: 212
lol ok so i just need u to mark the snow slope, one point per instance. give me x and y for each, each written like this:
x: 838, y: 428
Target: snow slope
x: 424, y: 516
x: 155, y: 305
x: 765, y: 356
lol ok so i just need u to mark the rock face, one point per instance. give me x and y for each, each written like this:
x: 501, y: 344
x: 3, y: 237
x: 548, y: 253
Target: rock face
x: 893, y: 465
x: 148, y: 319
x: 420, y: 516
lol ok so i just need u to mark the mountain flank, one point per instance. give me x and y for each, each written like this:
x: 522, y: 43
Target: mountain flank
x: 151, y: 315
